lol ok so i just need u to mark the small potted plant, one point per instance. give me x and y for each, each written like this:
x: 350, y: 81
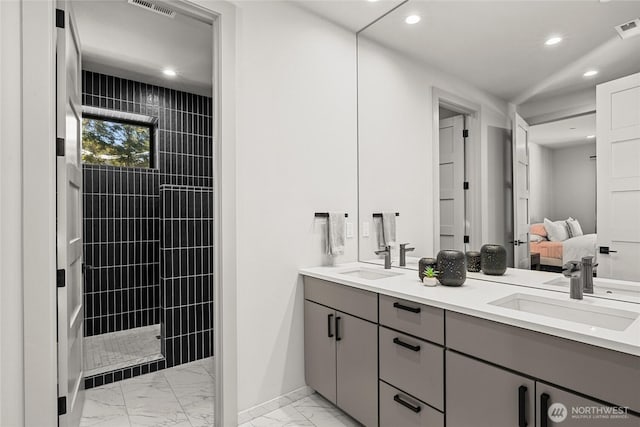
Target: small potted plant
x: 430, y: 276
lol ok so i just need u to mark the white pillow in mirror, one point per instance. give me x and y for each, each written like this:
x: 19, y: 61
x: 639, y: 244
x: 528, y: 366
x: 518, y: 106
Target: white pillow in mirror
x: 556, y: 230
x: 574, y: 227
x: 536, y: 238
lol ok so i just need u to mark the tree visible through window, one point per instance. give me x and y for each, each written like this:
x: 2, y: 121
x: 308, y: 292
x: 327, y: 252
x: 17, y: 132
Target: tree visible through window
x: 110, y: 142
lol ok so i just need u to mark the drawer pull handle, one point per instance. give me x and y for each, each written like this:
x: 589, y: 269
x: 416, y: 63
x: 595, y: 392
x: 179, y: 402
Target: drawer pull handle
x: 544, y: 408
x: 406, y: 308
x: 406, y: 345
x: 338, y: 337
x: 415, y: 409
x: 329, y: 322
x: 522, y: 416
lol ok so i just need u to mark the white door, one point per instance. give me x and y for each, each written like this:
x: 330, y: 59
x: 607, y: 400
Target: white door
x: 451, y: 183
x: 520, y: 137
x: 69, y: 219
x: 618, y: 166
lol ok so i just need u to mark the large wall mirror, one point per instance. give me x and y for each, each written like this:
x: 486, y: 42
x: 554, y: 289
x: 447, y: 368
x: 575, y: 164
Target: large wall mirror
x: 478, y: 123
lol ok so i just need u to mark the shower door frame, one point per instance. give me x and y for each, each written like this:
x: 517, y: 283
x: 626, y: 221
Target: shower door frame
x: 37, y: 336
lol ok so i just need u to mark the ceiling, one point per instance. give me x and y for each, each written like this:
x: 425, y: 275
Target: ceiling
x: 564, y: 133
x: 498, y: 46
x: 127, y: 41
x: 350, y: 14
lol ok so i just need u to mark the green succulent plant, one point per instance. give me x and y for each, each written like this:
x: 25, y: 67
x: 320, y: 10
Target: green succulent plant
x: 431, y: 272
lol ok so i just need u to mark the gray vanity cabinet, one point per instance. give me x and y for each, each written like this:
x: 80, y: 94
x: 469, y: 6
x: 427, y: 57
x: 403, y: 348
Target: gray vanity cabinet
x: 341, y: 347
x: 320, y: 349
x: 482, y: 395
x: 357, y: 368
x: 579, y: 411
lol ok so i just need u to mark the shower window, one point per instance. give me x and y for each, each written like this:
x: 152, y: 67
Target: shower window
x: 116, y: 142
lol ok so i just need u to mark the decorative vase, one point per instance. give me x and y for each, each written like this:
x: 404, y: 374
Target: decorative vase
x: 429, y: 281
x: 473, y: 261
x: 424, y: 263
x: 493, y: 259
x: 452, y: 268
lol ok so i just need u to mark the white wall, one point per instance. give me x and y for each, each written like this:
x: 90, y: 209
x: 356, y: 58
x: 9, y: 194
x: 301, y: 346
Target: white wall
x: 296, y: 155
x: 541, y: 183
x: 574, y: 185
x: 11, y: 333
x: 395, y: 140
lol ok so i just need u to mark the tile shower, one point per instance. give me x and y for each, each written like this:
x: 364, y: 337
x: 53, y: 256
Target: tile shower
x: 148, y: 288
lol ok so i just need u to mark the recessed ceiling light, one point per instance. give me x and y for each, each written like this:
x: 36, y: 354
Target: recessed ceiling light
x: 553, y: 40
x: 590, y: 136
x: 590, y: 73
x: 412, y: 19
x: 372, y: 1
x: 169, y: 72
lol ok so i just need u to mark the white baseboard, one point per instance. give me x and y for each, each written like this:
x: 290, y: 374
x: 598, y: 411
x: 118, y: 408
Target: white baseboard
x: 273, y: 404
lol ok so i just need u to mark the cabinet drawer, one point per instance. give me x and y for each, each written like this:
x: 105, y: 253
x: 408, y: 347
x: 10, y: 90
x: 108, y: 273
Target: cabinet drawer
x: 343, y: 298
x: 412, y: 365
x: 400, y: 409
x: 413, y: 318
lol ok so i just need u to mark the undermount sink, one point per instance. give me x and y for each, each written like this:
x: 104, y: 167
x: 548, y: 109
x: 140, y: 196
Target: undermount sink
x: 573, y: 311
x: 603, y: 287
x: 369, y: 273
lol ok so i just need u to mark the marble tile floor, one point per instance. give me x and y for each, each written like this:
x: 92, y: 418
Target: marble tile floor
x: 183, y: 396
x: 115, y: 350
x: 313, y: 410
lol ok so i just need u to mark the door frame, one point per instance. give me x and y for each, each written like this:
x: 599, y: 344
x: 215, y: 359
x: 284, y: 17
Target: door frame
x: 475, y: 208
x: 38, y: 242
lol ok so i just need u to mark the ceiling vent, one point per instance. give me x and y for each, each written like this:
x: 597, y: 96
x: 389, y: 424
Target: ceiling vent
x: 152, y: 7
x: 629, y: 29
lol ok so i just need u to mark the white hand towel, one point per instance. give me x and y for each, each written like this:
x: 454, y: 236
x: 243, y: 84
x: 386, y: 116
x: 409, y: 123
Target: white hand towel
x: 335, y: 234
x: 389, y: 227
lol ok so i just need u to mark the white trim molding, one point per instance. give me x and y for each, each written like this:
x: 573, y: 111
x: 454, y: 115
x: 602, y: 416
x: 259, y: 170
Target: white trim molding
x: 11, y: 306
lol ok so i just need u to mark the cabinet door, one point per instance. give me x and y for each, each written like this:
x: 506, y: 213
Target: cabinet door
x: 481, y: 395
x: 320, y: 349
x: 357, y: 368
x: 561, y: 408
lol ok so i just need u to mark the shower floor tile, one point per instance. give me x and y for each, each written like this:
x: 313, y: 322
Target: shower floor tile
x: 107, y: 352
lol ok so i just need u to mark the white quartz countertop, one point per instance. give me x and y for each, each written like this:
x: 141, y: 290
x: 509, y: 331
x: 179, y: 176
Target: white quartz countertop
x: 475, y: 297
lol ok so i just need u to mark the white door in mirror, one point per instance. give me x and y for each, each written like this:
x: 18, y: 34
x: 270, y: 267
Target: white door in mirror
x: 521, y: 192
x: 618, y: 169
x: 452, y: 213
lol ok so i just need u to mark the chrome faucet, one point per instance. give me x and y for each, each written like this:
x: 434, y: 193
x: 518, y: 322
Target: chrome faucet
x: 387, y: 256
x: 587, y: 274
x: 403, y: 254
x: 572, y: 271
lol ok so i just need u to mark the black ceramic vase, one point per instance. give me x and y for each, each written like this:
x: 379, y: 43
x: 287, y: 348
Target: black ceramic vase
x: 493, y: 260
x: 473, y: 261
x: 424, y: 263
x: 452, y: 268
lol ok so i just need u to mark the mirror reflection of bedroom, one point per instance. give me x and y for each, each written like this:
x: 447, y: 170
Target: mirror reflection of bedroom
x: 562, y: 156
